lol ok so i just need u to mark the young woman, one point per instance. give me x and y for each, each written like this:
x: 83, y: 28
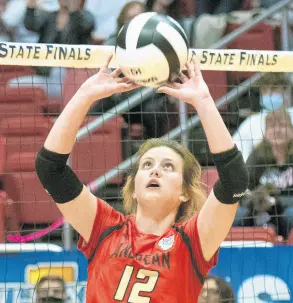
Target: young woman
x: 165, y: 248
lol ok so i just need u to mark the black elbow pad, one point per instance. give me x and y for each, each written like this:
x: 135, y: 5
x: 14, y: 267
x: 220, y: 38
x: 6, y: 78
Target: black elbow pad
x: 233, y: 176
x: 56, y: 176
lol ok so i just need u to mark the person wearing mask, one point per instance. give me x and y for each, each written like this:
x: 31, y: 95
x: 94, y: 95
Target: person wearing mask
x: 275, y: 92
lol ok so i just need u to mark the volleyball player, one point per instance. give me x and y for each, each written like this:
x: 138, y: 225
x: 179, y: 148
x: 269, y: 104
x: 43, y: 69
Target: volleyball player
x: 164, y: 249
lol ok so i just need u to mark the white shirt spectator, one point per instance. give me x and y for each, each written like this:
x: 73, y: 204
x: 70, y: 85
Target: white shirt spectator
x: 13, y: 17
x: 105, y: 13
x: 251, y: 132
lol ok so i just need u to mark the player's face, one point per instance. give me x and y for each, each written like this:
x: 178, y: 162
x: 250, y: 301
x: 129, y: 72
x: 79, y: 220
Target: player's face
x: 159, y: 179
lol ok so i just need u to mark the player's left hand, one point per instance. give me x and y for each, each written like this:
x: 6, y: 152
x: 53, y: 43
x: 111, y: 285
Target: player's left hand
x: 104, y: 84
x: 192, y: 90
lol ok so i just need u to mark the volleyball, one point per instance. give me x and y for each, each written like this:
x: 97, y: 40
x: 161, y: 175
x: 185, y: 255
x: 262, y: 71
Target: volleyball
x: 151, y: 49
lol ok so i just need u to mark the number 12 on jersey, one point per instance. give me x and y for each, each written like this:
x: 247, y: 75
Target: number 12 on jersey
x: 134, y: 296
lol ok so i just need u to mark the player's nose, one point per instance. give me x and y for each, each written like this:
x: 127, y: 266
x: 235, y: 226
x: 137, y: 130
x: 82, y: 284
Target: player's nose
x: 155, y: 172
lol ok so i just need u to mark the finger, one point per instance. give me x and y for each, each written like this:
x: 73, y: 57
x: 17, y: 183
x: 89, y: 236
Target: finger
x: 190, y: 69
x: 107, y: 62
x: 182, y: 77
x: 116, y: 73
x: 169, y: 91
x: 124, y: 87
x: 196, y: 67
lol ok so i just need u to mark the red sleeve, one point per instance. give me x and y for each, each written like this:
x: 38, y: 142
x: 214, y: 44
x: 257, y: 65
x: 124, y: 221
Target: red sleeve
x: 106, y: 217
x: 191, y: 230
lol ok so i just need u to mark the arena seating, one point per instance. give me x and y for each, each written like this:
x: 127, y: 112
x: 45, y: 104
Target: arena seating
x: 94, y: 155
x: 3, y: 228
x: 21, y: 101
x: 8, y: 72
x: 258, y: 234
x: 24, y: 137
x: 260, y: 37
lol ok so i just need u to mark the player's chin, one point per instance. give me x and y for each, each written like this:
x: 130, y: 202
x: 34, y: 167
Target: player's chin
x: 153, y: 195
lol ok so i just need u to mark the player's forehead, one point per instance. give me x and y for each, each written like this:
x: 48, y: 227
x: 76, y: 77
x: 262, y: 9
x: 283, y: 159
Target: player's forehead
x: 161, y: 153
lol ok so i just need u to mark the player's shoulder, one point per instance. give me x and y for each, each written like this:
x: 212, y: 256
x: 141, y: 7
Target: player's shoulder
x: 188, y: 223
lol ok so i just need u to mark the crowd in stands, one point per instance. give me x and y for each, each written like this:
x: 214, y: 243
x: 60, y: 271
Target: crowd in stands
x: 265, y: 136
x: 51, y: 288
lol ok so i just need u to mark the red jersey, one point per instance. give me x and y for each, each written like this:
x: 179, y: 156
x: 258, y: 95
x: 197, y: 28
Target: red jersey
x: 126, y: 265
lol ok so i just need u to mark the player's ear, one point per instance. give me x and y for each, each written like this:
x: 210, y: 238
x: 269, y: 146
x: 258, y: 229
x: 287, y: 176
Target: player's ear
x: 134, y: 196
x: 183, y: 198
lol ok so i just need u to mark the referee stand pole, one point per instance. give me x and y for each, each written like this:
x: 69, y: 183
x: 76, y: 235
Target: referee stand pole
x: 183, y: 118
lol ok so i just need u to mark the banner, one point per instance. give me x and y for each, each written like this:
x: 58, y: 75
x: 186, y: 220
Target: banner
x: 257, y: 275
x: 95, y: 56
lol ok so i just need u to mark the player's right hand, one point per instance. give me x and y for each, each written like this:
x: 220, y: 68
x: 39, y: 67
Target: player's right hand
x: 104, y: 84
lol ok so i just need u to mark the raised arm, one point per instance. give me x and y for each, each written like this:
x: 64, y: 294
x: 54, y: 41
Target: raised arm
x: 73, y: 199
x: 217, y: 215
x: 80, y: 20
x: 33, y: 21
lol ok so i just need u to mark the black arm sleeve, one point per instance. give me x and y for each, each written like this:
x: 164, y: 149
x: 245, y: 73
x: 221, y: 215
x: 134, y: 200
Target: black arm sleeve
x: 233, y: 176
x: 56, y: 176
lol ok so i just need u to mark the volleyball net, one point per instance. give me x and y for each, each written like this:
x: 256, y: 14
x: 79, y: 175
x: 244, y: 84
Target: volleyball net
x: 36, y: 83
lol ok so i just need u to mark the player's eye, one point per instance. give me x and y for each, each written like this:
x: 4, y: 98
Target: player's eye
x: 147, y: 164
x: 169, y: 166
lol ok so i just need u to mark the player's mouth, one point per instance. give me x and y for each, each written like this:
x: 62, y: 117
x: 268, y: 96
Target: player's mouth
x: 153, y: 183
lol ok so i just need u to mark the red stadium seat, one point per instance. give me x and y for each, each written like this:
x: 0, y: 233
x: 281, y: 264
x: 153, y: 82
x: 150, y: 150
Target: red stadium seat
x: 73, y: 80
x: 209, y: 177
x: 217, y: 83
x: 21, y: 101
x: 11, y: 71
x: 2, y: 219
x: 260, y: 37
x: 31, y: 202
x: 2, y: 154
x: 23, y: 135
x: 259, y: 234
x: 94, y: 155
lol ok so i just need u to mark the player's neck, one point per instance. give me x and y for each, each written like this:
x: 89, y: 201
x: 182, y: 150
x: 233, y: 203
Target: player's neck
x: 154, y: 225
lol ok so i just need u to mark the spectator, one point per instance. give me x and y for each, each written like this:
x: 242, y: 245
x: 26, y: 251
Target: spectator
x: 166, y: 7
x: 69, y: 25
x: 50, y: 289
x: 12, y: 22
x: 105, y: 15
x: 275, y: 92
x: 271, y: 172
x: 271, y: 161
x: 216, y: 290
x: 215, y: 7
x: 128, y: 12
x: 152, y: 112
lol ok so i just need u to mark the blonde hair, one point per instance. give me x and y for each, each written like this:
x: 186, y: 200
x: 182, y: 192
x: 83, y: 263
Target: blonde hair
x: 191, y: 179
